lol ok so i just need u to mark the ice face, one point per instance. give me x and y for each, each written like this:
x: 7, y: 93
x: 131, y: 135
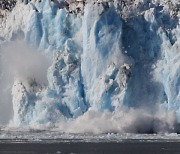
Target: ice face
x: 106, y: 56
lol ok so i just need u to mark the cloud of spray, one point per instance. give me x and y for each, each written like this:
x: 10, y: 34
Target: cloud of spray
x: 17, y: 61
x: 123, y: 121
x: 20, y: 62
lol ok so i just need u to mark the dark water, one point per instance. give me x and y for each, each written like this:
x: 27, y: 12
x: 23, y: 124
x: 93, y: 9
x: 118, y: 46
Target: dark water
x: 91, y: 148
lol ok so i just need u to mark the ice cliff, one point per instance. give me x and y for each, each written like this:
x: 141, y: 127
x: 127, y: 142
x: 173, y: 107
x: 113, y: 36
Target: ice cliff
x: 107, y: 57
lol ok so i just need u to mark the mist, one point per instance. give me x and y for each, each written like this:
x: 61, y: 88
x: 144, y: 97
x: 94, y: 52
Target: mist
x: 122, y: 121
x: 18, y: 61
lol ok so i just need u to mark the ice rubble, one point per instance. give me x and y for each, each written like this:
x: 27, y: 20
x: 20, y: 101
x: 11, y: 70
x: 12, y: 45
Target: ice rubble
x: 105, y: 55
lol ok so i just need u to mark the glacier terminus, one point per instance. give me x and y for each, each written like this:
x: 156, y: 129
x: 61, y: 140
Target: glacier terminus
x: 90, y: 66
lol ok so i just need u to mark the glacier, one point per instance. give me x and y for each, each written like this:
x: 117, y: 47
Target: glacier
x: 110, y: 65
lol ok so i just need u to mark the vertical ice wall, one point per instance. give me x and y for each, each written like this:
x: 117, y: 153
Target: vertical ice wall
x: 110, y: 55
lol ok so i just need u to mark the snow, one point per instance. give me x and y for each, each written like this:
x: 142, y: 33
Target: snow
x: 106, y: 58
